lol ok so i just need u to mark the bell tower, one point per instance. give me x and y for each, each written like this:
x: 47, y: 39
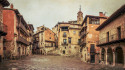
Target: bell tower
x: 79, y: 16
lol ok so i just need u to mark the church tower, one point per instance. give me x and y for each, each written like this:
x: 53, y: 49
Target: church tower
x: 79, y: 16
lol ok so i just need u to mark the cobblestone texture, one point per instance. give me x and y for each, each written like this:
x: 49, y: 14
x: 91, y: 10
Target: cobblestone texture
x: 39, y: 62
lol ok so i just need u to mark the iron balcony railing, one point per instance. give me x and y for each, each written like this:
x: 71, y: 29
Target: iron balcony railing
x: 83, y: 42
x: 83, y: 34
x: 22, y: 40
x: 23, y: 28
x: 3, y: 29
x: 112, y: 38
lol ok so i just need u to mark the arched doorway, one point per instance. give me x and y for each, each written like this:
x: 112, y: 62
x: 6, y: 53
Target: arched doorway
x: 41, y: 52
x: 63, y: 51
x: 103, y: 55
x: 110, y: 56
x: 119, y: 58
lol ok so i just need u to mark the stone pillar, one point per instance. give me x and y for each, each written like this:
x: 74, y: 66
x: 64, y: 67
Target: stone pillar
x: 124, y: 56
x: 106, y: 56
x: 113, y: 50
x: 100, y: 54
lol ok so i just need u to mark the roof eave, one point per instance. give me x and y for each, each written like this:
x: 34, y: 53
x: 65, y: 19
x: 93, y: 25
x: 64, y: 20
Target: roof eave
x: 4, y: 3
x: 112, y: 17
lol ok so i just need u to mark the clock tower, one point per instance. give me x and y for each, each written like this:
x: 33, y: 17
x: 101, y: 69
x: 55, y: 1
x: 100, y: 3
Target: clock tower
x: 79, y: 16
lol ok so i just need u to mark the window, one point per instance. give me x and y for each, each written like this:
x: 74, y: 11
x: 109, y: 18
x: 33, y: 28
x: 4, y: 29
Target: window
x: 69, y: 40
x: 79, y: 40
x: 74, y: 32
x: 94, y: 21
x: 64, y: 41
x: 64, y: 28
x: 51, y: 44
x: 119, y: 32
x: 79, y: 19
x: 64, y: 34
x: 92, y: 49
x: 107, y: 36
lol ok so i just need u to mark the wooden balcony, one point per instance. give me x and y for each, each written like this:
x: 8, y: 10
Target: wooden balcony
x: 36, y: 40
x: 115, y: 38
x: 22, y: 40
x: 83, y: 43
x: 3, y: 29
x: 23, y: 28
x: 83, y: 34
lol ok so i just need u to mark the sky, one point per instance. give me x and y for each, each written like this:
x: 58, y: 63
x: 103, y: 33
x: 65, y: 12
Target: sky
x: 50, y: 12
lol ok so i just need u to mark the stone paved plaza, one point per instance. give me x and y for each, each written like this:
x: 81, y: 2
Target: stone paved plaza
x: 39, y: 62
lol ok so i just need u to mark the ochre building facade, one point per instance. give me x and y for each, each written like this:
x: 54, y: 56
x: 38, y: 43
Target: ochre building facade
x: 68, y: 36
x: 3, y: 27
x: 44, y: 40
x: 17, y: 40
x: 89, y: 36
x: 112, y: 39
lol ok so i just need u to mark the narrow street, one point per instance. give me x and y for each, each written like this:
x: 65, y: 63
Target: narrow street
x: 38, y: 62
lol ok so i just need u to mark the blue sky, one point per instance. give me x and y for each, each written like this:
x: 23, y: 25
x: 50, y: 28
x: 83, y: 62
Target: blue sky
x: 50, y: 12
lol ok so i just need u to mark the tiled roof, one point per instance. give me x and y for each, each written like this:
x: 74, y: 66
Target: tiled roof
x: 85, y: 19
x: 116, y: 14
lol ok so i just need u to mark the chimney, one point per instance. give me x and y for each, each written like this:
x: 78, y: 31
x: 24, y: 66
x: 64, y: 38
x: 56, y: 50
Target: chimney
x: 11, y: 6
x: 101, y: 14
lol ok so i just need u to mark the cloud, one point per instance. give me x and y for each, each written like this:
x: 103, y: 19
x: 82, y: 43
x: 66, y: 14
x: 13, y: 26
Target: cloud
x: 49, y: 12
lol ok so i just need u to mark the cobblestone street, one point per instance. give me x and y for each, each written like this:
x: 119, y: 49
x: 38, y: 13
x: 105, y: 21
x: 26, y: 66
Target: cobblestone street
x: 37, y: 62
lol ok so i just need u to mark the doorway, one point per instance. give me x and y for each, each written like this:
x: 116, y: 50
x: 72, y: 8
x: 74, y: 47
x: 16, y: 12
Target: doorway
x: 63, y: 51
x: 92, y: 58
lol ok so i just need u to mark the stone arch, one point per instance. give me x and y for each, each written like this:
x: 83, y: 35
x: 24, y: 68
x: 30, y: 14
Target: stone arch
x: 110, y: 55
x: 119, y: 46
x: 119, y: 57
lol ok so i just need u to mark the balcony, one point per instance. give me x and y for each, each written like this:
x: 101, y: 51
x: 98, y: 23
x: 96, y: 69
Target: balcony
x: 115, y: 38
x: 3, y: 29
x: 36, y: 40
x: 64, y: 43
x: 23, y: 28
x: 76, y: 27
x: 64, y: 28
x: 22, y: 40
x: 83, y: 43
x: 83, y: 34
x: 84, y: 28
